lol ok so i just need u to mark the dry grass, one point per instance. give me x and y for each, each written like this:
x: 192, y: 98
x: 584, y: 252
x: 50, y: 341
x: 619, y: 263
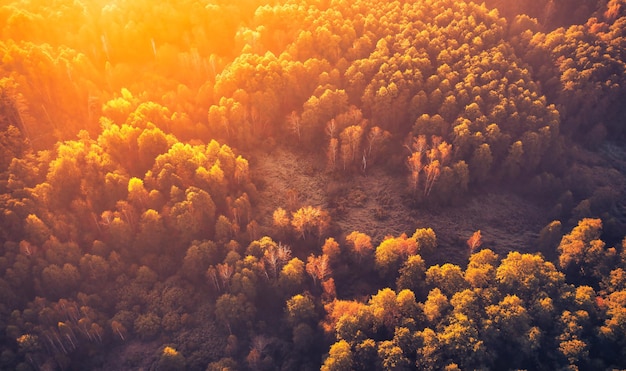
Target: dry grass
x: 279, y: 172
x: 375, y: 204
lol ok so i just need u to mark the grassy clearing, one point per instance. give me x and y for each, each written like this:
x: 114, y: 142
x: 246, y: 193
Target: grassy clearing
x: 375, y: 203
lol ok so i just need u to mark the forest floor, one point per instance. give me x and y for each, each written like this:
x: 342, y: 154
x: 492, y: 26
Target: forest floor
x: 375, y: 203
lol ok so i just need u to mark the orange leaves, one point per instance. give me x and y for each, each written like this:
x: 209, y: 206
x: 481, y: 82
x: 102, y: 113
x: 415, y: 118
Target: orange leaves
x: 361, y: 244
x: 318, y: 267
x: 338, y: 309
x: 427, y: 159
x: 475, y: 241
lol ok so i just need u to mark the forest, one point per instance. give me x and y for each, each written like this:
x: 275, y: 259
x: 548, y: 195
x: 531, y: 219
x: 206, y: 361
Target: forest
x: 312, y: 184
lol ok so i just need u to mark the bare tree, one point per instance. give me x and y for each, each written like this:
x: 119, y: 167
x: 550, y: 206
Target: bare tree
x: 295, y: 124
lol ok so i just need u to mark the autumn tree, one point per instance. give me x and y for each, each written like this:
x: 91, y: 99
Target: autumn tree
x: 340, y: 357
x: 350, y: 145
x: 310, y: 220
x: 582, y: 253
x: 360, y: 244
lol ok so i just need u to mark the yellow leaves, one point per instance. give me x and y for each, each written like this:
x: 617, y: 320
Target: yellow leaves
x: 135, y: 185
x: 280, y: 218
x: 584, y: 251
x: 28, y: 342
x: 309, y: 220
x: 299, y: 309
x: 339, y: 358
x: 435, y: 306
x: 384, y: 308
x: 170, y: 352
x: 242, y: 171
x: 360, y: 243
x: 118, y: 109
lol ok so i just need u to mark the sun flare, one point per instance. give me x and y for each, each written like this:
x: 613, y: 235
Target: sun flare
x: 312, y: 184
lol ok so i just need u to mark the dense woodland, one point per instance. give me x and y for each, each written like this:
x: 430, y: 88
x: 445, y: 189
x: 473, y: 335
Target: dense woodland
x: 134, y: 219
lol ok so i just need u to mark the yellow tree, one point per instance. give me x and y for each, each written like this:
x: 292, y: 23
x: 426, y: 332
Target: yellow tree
x: 309, y: 219
x: 360, y: 244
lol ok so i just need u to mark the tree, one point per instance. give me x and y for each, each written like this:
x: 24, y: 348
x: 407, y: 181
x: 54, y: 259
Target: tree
x: 294, y: 124
x: 384, y: 310
x: 582, y: 253
x: 331, y: 153
x: 480, y: 163
x: 376, y: 140
x: 309, y: 220
x: 152, y: 232
x: 234, y: 312
x: 148, y: 325
x: 340, y: 357
x: 194, y: 216
x: 198, y: 258
x: 481, y: 269
x: 426, y: 240
x: 275, y: 257
x: 513, y: 162
x: 436, y: 306
x: 118, y: 329
x: 413, y: 275
x: 171, y: 359
x: 350, y: 144
x: 529, y: 277
x: 318, y: 267
x: 415, y: 165
x: 242, y: 170
x: 475, y: 241
x: 280, y: 219
x: 361, y: 245
x: 392, y: 252
x: 460, y: 341
x: 448, y: 277
x: 94, y: 268
x: 223, y: 229
x: 36, y: 230
x: 331, y: 249
x: 508, y: 329
x: 549, y: 238
x: 392, y: 357
x: 300, y: 309
x: 292, y: 275
x: 427, y: 160
x: 60, y: 281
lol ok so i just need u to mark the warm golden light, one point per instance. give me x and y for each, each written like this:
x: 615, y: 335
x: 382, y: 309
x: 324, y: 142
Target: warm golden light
x: 312, y: 184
